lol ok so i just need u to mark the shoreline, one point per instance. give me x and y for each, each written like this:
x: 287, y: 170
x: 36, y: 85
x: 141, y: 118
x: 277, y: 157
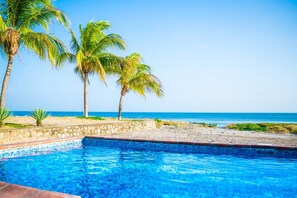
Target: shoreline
x: 167, y: 131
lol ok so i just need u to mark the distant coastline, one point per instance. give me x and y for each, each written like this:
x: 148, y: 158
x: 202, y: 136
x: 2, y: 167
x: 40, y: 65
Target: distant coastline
x: 221, y: 119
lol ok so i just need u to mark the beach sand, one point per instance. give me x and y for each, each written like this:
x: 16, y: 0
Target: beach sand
x: 196, y: 133
x: 57, y: 121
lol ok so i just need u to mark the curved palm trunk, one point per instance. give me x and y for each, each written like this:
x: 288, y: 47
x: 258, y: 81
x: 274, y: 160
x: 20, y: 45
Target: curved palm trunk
x: 120, y: 106
x: 86, y: 95
x: 5, y: 80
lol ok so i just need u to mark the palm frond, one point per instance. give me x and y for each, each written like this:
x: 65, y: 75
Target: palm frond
x: 42, y: 16
x: 74, y: 44
x: 137, y: 77
x: 44, y: 45
x: 23, y: 14
x: 15, y: 9
x: 3, y: 25
x: 79, y: 59
x: 109, y: 41
x: 65, y: 57
x: 95, y: 67
x: 80, y: 74
x: 142, y: 83
x: 111, y: 63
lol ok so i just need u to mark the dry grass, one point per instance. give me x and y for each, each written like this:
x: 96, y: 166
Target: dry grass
x: 160, y: 123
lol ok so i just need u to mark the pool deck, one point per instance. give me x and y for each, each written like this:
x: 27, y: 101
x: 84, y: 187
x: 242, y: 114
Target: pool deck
x: 40, y: 142
x: 16, y: 191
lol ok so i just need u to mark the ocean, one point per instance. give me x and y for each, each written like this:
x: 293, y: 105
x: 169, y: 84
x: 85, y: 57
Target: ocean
x: 221, y: 119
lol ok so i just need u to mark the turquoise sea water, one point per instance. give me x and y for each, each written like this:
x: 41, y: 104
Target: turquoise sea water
x: 221, y: 119
x: 96, y: 171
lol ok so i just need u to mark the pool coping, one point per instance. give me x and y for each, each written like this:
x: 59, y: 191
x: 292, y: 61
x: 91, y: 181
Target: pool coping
x: 16, y: 191
x: 267, y: 146
x: 55, y: 140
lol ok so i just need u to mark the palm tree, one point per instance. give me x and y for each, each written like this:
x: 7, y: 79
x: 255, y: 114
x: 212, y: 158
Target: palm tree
x: 19, y: 20
x: 136, y: 76
x: 90, y: 54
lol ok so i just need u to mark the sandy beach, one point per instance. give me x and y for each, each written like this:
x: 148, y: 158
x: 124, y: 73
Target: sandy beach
x: 195, y: 133
x: 57, y: 121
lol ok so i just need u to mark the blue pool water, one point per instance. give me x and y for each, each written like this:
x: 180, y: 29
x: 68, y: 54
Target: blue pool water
x: 95, y: 171
x: 221, y: 119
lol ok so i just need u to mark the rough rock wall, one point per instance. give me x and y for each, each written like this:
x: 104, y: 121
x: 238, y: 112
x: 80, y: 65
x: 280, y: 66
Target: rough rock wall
x: 11, y: 136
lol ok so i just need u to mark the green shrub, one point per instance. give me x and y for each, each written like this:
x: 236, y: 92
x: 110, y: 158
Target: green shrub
x: 39, y: 115
x: 248, y: 127
x: 203, y: 124
x: 212, y: 125
x: 157, y: 120
x: 4, y: 114
x: 208, y: 125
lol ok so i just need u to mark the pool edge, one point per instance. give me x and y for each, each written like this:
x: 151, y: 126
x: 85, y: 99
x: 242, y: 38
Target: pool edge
x: 195, y: 143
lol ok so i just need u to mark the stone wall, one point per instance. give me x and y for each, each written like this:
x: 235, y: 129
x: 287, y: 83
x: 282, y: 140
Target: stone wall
x: 11, y: 136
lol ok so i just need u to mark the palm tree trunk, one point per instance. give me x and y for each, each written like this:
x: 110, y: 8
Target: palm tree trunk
x: 5, y: 80
x: 120, y: 107
x: 86, y: 95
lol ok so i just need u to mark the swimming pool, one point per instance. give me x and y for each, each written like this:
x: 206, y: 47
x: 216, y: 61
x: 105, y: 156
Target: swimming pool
x: 110, y: 171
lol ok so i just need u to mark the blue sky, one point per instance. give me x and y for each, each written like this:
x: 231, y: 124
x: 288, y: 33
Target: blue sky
x: 211, y: 55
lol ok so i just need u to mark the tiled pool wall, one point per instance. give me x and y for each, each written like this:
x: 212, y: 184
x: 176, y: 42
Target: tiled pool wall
x: 167, y: 146
x: 39, y: 148
x: 189, y: 147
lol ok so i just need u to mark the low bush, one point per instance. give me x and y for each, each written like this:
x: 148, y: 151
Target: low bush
x: 39, y: 115
x: 247, y: 127
x: 157, y: 120
x: 4, y: 114
x: 207, y: 125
